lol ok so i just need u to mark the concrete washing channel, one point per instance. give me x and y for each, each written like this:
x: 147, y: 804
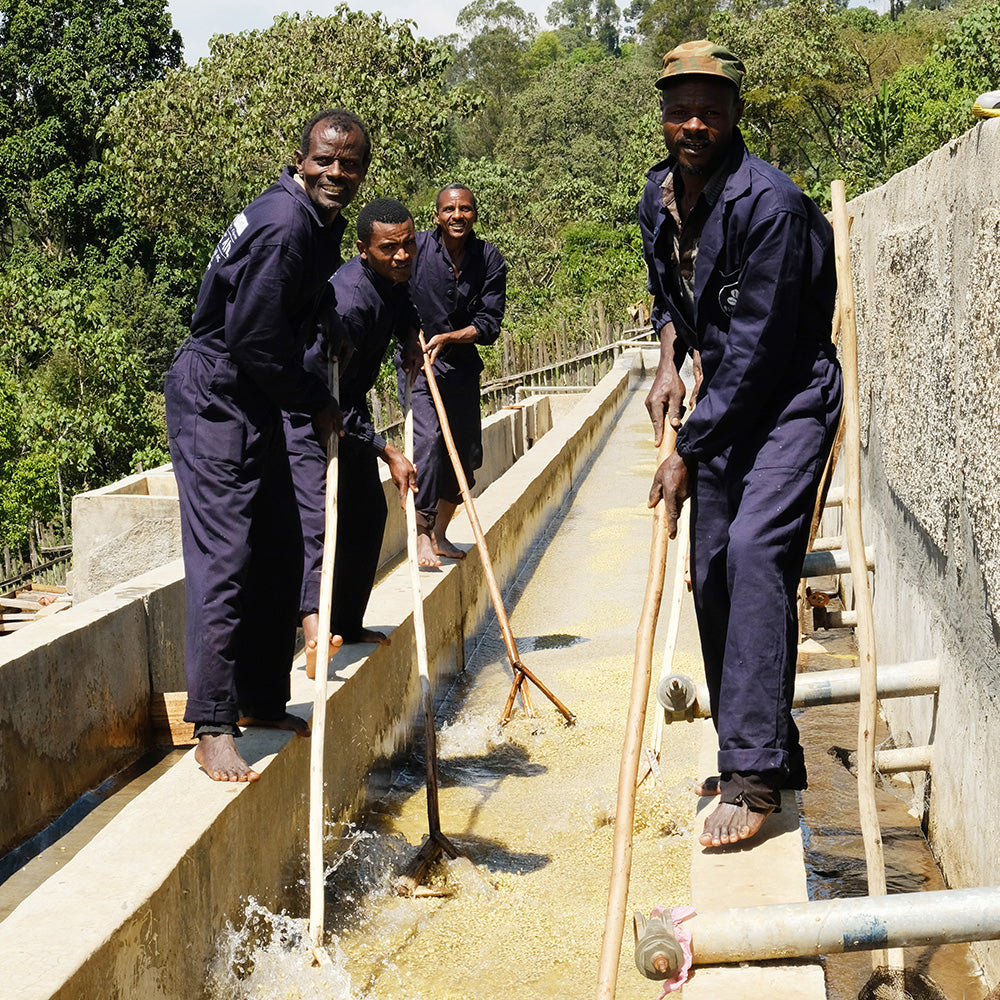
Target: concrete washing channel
x: 141, y: 909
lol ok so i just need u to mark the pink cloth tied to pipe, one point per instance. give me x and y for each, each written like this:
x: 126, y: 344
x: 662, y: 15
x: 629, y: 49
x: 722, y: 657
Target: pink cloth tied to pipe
x: 678, y: 914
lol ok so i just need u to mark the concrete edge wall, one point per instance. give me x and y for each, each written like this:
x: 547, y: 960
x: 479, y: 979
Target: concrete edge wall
x: 93, y: 667
x: 178, y: 860
x: 133, y: 525
x: 925, y: 248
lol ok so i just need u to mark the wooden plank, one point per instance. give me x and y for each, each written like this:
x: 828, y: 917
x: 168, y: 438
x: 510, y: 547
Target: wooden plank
x: 60, y: 604
x: 45, y: 588
x: 17, y: 602
x: 166, y: 714
x: 13, y: 626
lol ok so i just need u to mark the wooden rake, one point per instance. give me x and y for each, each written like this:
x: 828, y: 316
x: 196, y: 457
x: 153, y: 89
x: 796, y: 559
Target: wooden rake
x: 521, y: 673
x: 436, y: 842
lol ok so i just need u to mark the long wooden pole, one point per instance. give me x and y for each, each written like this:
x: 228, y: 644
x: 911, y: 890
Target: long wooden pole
x: 521, y: 672
x: 865, y: 632
x: 437, y: 841
x: 621, y: 864
x: 317, y: 881
x: 673, y: 627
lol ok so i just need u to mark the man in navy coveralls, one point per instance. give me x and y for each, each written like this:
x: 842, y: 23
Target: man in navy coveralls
x: 741, y: 269
x: 459, y: 287
x: 241, y: 365
x: 374, y: 307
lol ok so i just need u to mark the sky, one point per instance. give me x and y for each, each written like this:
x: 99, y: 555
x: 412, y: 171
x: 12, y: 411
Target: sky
x: 198, y: 20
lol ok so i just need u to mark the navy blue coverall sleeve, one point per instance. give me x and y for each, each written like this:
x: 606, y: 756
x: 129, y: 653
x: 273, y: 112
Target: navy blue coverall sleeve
x: 493, y: 299
x: 761, y: 337
x: 258, y: 334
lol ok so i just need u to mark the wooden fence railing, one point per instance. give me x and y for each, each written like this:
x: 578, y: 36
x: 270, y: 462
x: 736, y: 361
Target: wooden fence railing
x: 580, y: 371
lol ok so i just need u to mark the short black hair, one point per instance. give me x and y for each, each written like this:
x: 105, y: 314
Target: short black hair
x: 455, y: 186
x: 338, y: 120
x: 387, y: 210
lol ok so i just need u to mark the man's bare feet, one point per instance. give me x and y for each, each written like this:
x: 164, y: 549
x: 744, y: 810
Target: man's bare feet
x: 370, y: 635
x: 445, y: 512
x: 445, y: 548
x: 335, y: 643
x: 426, y: 556
x: 291, y: 723
x: 708, y: 787
x: 217, y: 754
x: 729, y: 824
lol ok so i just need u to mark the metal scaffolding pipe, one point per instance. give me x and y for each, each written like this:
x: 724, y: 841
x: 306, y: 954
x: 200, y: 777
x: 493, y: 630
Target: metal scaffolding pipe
x: 903, y: 759
x: 824, y: 687
x: 825, y: 618
x: 832, y: 563
x: 832, y: 926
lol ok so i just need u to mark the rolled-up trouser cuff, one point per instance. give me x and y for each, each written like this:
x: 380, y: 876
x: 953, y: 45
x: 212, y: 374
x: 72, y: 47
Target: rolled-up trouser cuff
x: 216, y: 729
x: 758, y: 792
x: 425, y: 520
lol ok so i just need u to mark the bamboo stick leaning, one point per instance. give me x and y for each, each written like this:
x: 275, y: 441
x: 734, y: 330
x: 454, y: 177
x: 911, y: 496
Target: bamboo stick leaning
x: 521, y: 673
x: 670, y: 644
x: 317, y: 881
x: 436, y: 841
x: 621, y: 863
x: 865, y: 631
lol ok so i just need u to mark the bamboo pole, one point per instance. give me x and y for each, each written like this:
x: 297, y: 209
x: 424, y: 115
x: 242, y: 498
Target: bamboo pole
x: 317, y: 880
x: 865, y: 632
x: 673, y: 627
x: 621, y: 864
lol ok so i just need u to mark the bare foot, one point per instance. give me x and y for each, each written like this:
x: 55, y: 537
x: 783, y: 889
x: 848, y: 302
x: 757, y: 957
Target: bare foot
x: 311, y: 643
x: 729, y: 824
x: 444, y: 548
x: 291, y: 723
x: 426, y: 556
x: 370, y: 635
x: 217, y: 754
x: 708, y: 787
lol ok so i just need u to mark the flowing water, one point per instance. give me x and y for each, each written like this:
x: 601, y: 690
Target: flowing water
x: 530, y: 806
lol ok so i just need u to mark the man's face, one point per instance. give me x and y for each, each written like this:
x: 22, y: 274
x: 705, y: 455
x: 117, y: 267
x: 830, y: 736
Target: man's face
x: 391, y: 251
x: 456, y: 213
x: 333, y: 169
x: 699, y: 114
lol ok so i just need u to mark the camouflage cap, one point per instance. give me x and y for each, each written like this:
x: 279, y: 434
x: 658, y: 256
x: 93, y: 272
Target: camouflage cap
x: 701, y: 58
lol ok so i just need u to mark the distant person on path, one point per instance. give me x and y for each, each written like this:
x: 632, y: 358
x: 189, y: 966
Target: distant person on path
x: 374, y: 308
x: 741, y: 268
x: 241, y: 366
x: 459, y: 287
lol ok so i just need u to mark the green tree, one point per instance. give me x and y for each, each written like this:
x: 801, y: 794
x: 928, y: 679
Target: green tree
x: 580, y: 22
x: 63, y: 66
x: 587, y: 134
x: 666, y: 23
x: 77, y: 389
x: 192, y: 149
x: 495, y: 61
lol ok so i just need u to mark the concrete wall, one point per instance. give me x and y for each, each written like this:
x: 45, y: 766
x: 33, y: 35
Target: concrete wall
x: 147, y: 898
x: 124, y: 529
x: 93, y: 667
x: 132, y: 526
x: 925, y: 248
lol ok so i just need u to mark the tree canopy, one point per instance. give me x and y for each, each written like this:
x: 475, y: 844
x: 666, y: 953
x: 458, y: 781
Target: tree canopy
x: 119, y: 167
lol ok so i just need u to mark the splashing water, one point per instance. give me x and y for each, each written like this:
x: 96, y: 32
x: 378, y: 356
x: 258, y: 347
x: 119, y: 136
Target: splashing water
x: 270, y: 955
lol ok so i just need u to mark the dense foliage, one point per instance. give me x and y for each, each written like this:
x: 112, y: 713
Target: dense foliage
x: 119, y: 167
